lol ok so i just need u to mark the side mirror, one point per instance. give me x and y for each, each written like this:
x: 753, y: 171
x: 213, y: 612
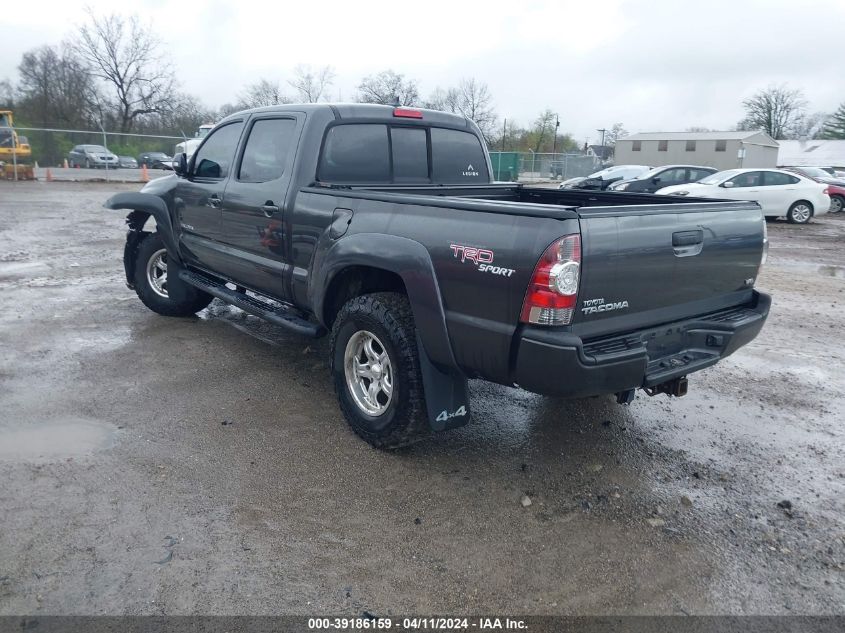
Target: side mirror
x: 727, y: 185
x: 180, y: 164
x: 655, y: 180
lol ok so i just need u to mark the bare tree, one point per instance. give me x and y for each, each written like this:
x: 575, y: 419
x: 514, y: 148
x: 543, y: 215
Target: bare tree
x: 56, y: 89
x: 543, y: 130
x: 311, y: 84
x: 698, y: 128
x: 262, y: 93
x: 126, y: 56
x: 471, y: 99
x: 388, y: 87
x: 777, y: 110
x: 614, y: 134
x: 810, y: 126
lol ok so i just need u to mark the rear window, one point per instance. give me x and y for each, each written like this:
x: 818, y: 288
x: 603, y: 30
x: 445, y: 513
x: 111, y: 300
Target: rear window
x: 356, y: 153
x: 379, y: 153
x: 410, y: 154
x: 457, y: 157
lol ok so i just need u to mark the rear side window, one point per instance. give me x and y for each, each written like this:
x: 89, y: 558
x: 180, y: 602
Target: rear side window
x: 214, y: 158
x: 356, y: 153
x: 410, y: 154
x: 457, y: 157
x: 267, y: 148
x: 771, y: 178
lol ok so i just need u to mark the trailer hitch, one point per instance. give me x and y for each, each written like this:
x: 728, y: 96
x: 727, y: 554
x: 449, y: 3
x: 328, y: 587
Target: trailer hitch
x: 676, y: 387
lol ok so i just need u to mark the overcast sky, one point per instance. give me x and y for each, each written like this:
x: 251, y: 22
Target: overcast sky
x: 653, y: 65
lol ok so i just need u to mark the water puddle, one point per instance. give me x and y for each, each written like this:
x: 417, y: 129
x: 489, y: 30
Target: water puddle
x: 55, y: 440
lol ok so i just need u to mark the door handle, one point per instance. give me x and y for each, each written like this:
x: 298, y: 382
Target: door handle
x: 268, y: 208
x: 687, y: 243
x: 687, y: 238
x: 214, y: 201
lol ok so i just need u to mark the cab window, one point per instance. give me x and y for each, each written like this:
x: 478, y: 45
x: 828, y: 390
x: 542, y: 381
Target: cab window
x: 267, y: 149
x: 214, y: 158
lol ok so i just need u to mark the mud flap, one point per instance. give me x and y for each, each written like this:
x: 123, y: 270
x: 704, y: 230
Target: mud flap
x: 446, y: 394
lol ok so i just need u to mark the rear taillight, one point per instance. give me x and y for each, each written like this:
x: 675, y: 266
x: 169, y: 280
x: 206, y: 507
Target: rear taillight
x: 765, y: 254
x: 553, y: 290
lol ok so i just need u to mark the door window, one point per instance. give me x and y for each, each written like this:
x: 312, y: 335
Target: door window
x: 673, y: 177
x: 748, y: 179
x: 697, y: 174
x: 214, y: 158
x: 267, y: 149
x: 773, y: 178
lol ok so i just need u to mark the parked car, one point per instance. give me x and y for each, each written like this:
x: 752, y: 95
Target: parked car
x: 837, y: 197
x: 92, y: 156
x: 603, y: 179
x: 127, y: 162
x: 156, y: 160
x: 836, y: 185
x: 312, y: 234
x: 780, y: 193
x: 664, y: 176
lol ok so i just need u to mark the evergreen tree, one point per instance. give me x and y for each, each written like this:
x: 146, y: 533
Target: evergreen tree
x: 835, y: 127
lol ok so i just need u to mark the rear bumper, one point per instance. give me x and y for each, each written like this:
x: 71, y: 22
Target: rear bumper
x: 561, y: 364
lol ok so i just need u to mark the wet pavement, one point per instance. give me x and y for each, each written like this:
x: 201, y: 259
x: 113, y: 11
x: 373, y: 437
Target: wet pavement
x: 170, y: 466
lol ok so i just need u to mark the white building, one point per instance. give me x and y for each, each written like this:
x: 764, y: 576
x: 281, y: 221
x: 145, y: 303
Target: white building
x: 722, y: 150
x: 812, y: 154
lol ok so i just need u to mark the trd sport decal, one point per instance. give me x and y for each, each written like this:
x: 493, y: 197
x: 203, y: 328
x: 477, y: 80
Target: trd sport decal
x: 481, y: 257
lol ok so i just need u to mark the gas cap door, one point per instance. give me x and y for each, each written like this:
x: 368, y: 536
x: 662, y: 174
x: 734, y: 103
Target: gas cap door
x: 341, y: 219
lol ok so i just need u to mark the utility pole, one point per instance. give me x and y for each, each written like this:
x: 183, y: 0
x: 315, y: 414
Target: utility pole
x: 602, y: 130
x: 554, y: 143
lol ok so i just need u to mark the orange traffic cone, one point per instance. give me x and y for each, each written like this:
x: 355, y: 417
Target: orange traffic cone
x: 49, y: 175
x: 145, y: 177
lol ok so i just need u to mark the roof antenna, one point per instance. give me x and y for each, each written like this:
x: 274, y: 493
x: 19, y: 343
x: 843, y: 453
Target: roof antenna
x: 396, y: 103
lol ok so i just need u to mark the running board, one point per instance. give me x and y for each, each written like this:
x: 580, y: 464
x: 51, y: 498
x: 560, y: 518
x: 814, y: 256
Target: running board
x: 277, y: 315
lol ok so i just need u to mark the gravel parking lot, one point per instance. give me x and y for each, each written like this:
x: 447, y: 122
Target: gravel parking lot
x: 171, y: 466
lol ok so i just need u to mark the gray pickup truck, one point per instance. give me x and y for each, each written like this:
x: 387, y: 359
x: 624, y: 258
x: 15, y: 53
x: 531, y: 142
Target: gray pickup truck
x: 381, y: 226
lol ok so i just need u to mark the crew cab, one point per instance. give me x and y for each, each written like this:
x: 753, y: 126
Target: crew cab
x: 382, y: 228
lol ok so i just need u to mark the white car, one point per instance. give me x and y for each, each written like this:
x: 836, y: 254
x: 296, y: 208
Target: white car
x: 780, y: 193
x: 601, y: 179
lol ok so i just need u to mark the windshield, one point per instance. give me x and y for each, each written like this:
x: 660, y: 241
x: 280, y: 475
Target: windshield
x: 815, y: 172
x: 719, y: 176
x: 651, y: 173
x: 95, y: 148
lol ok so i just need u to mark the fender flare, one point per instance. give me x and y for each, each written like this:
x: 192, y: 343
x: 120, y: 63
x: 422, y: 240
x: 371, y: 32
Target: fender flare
x: 445, y: 385
x: 408, y: 259
x: 142, y: 206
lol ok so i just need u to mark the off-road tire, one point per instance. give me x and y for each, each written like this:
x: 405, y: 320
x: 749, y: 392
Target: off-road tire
x: 388, y: 316
x: 791, y: 216
x: 182, y: 300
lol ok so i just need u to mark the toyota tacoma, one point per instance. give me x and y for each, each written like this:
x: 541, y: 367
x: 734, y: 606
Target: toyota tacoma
x: 381, y: 227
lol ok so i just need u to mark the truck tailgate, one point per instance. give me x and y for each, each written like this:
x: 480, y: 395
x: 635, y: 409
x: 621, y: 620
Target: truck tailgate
x: 646, y: 265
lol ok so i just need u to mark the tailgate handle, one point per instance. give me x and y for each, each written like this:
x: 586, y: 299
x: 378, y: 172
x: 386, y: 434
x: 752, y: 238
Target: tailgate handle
x: 687, y: 238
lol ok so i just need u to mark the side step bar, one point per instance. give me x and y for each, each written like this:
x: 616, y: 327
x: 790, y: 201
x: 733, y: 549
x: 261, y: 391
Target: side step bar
x: 276, y: 315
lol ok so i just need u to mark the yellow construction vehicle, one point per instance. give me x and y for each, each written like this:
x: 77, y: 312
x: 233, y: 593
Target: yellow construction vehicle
x: 15, y: 152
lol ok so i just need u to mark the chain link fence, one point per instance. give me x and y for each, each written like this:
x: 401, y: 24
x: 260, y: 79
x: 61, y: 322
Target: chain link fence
x: 531, y: 167
x: 59, y: 151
